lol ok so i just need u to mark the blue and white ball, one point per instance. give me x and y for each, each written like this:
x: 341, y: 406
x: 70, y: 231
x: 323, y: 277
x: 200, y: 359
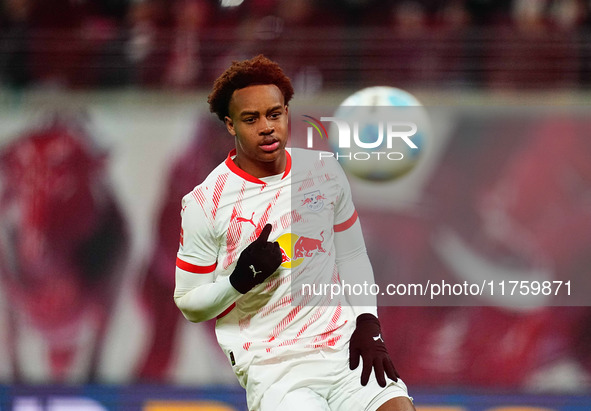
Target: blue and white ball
x: 376, y: 110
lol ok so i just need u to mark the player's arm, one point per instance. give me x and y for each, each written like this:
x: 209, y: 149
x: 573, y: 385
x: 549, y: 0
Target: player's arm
x: 366, y: 341
x: 354, y: 264
x: 198, y: 293
x: 355, y: 268
x: 351, y: 255
x: 200, y: 297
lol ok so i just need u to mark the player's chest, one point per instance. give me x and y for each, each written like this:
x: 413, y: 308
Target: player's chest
x: 286, y: 208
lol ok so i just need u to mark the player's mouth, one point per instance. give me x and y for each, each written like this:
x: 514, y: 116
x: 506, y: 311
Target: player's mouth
x: 270, y: 146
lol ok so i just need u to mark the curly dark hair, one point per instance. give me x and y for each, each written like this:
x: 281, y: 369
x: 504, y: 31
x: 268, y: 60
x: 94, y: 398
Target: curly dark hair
x: 241, y: 74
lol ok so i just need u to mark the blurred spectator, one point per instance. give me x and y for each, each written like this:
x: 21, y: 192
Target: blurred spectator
x: 534, y: 52
x: 489, y: 13
x: 570, y: 18
x: 457, y: 50
x: 567, y: 14
x: 400, y: 54
x: 147, y: 47
x: 584, y: 49
x: 102, y: 42
x: 328, y: 43
x: 185, y: 64
x: 304, y: 52
x: 57, y: 46
x: 16, y: 42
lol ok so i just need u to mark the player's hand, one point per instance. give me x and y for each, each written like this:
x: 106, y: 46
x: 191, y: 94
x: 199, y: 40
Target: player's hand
x: 256, y: 263
x: 367, y: 343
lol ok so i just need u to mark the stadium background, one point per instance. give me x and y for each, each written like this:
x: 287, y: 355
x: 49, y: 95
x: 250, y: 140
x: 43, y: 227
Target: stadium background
x: 104, y: 126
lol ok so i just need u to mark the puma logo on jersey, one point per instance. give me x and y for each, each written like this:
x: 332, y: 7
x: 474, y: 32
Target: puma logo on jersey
x: 378, y: 338
x: 246, y: 220
x: 254, y: 271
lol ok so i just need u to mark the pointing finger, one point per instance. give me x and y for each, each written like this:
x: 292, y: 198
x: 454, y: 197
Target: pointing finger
x: 264, y: 236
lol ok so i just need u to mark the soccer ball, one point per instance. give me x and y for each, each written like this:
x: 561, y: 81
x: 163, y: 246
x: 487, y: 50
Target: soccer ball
x: 387, y: 133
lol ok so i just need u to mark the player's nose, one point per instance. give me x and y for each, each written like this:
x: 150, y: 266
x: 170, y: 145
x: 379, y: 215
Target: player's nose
x: 266, y: 127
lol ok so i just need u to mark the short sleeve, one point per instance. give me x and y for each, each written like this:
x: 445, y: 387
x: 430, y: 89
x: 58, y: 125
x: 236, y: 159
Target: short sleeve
x: 345, y: 213
x: 198, y: 248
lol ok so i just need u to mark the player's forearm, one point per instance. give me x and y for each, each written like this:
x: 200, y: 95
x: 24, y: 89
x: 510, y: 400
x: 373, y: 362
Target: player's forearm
x: 355, y: 267
x: 205, y: 301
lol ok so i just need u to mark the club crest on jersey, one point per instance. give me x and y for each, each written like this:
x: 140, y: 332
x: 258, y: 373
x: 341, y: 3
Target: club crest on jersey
x: 314, y: 200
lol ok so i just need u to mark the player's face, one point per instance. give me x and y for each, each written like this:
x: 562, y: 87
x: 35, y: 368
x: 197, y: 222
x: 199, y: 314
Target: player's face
x: 258, y: 121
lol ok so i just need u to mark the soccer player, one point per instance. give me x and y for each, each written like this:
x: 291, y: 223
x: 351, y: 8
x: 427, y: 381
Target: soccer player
x: 264, y: 220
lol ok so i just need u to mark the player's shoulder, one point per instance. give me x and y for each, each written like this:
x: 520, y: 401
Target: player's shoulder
x: 204, y: 191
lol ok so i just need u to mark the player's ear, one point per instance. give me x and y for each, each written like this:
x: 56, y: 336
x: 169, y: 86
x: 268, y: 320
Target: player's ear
x: 230, y: 125
x: 287, y: 111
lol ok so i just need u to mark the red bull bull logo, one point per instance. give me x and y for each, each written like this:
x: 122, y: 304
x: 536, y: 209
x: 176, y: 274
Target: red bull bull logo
x: 294, y: 248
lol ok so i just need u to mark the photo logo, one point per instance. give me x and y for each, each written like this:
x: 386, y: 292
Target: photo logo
x: 315, y: 124
x: 345, y: 130
x: 372, y: 143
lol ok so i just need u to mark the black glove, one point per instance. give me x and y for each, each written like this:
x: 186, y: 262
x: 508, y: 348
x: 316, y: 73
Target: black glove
x: 367, y: 343
x: 256, y: 263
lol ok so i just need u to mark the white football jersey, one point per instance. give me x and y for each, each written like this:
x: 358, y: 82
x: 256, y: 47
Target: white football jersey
x: 305, y: 205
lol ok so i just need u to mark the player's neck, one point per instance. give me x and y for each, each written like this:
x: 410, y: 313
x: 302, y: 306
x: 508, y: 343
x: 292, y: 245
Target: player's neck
x: 261, y: 169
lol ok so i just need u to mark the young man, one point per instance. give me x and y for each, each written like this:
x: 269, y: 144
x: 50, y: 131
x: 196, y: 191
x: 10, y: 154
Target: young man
x: 264, y: 220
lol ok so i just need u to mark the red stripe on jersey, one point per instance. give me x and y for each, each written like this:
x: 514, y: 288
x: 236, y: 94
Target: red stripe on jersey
x: 317, y: 341
x: 273, y: 283
x: 306, y: 184
x: 335, y: 317
x: 288, y: 218
x: 265, y: 217
x: 244, y: 322
x: 268, y: 309
x: 285, y: 220
x: 289, y: 317
x: 217, y: 192
x: 296, y: 217
x: 241, y: 173
x: 313, y: 319
x: 347, y: 224
x: 195, y: 269
x: 323, y: 178
x: 331, y: 327
x: 199, y: 196
x: 330, y: 343
x: 234, y: 229
x: 226, y: 311
x: 284, y: 323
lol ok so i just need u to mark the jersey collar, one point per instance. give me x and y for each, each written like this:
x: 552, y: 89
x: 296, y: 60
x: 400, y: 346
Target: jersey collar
x: 241, y: 173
